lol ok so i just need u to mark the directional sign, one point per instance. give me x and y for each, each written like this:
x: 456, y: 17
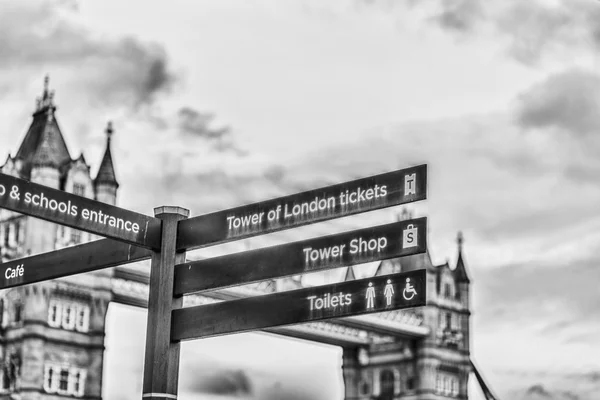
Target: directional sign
x: 349, y: 248
x: 74, y: 260
x: 79, y: 212
x: 361, y: 195
x: 382, y: 293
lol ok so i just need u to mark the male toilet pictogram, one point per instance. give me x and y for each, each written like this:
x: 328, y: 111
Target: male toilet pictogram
x: 370, y: 296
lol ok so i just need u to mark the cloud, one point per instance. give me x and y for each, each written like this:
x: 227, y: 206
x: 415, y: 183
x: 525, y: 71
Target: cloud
x: 568, y: 101
x: 194, y: 125
x: 527, y: 292
x: 197, y: 123
x: 459, y: 15
x: 37, y: 35
x: 533, y: 29
x: 222, y: 382
x: 539, y: 392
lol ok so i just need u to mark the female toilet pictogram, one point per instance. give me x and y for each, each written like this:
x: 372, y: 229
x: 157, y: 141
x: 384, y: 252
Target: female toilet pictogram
x: 409, y: 289
x: 388, y: 292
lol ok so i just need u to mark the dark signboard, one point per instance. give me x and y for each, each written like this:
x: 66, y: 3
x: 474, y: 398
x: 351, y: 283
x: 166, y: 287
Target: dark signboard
x: 364, y: 296
x: 79, y: 212
x: 349, y: 248
x: 70, y: 261
x: 361, y: 195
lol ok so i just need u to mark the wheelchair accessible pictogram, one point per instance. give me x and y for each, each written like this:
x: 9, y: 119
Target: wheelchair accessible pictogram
x: 409, y: 289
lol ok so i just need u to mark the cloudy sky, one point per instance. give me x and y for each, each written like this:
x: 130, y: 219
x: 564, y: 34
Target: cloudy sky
x: 222, y: 102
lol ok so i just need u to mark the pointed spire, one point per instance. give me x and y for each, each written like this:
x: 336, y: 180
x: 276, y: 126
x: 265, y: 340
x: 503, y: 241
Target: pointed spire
x: 109, y: 131
x: 106, y: 172
x: 460, y: 270
x: 46, y: 85
x: 46, y: 101
x: 350, y: 274
x: 404, y: 215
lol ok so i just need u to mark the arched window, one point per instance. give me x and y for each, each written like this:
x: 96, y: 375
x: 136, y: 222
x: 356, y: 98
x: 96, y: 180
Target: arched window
x: 387, y: 384
x: 6, y: 235
x: 364, y: 388
x: 18, y: 310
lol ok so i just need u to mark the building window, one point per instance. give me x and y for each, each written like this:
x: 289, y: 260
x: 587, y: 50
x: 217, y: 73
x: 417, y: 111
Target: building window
x: 364, y: 388
x: 18, y: 312
x: 75, y: 236
x: 17, y: 232
x: 410, y: 383
x: 83, y: 318
x: 446, y: 384
x: 64, y: 380
x: 54, y: 314
x: 6, y: 235
x: 447, y: 290
x: 79, y: 189
x: 386, y: 380
x: 68, y: 315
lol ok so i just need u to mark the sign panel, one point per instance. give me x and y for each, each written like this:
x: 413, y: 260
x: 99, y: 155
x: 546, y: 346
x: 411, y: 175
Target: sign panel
x: 349, y: 248
x: 74, y: 260
x: 364, y: 296
x: 79, y: 212
x: 366, y: 194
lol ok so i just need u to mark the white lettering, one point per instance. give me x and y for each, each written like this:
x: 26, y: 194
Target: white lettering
x: 324, y: 254
x: 245, y: 221
x: 329, y: 301
x: 360, y: 245
x: 11, y: 273
x: 305, y: 209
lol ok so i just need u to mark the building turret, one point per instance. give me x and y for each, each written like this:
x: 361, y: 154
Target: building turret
x: 43, y: 150
x: 42, y: 156
x: 462, y: 283
x: 461, y: 276
x: 106, y: 184
x: 460, y: 272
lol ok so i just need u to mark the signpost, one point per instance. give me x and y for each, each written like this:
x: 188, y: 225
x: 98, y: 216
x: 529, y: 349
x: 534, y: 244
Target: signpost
x: 74, y: 260
x: 361, y: 195
x: 382, y: 293
x: 166, y: 237
x: 349, y: 248
x: 79, y: 212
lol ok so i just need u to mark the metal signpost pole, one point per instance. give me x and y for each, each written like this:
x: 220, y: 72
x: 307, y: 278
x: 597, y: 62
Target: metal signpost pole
x: 161, y: 364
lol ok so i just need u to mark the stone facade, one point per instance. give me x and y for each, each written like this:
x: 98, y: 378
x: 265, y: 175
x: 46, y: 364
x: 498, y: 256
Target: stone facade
x: 52, y: 333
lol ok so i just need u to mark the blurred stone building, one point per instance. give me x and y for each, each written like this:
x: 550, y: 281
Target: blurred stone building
x: 52, y: 333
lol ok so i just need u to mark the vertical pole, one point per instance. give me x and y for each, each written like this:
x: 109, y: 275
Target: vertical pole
x: 161, y: 364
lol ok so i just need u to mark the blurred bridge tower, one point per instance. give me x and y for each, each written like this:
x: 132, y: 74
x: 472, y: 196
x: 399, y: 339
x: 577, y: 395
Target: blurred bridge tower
x: 52, y: 333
